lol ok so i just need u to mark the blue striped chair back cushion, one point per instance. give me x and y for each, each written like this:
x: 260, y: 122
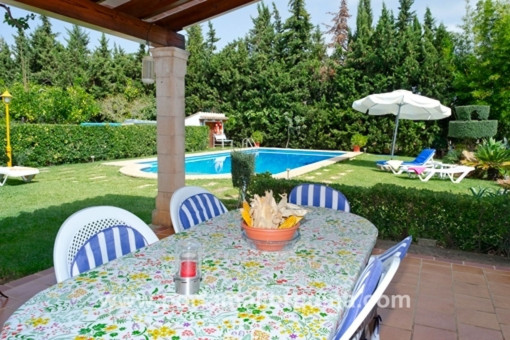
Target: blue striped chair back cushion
x: 316, y: 195
x: 363, y: 290
x: 400, y: 250
x: 107, y: 245
x: 199, y: 208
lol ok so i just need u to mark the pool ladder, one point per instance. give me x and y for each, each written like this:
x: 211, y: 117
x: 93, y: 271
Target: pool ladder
x: 248, y: 142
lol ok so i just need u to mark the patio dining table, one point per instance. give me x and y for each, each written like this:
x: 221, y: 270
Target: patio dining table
x: 298, y: 293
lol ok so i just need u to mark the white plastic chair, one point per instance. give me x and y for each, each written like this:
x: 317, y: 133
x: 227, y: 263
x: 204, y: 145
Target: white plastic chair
x: 95, y: 236
x: 221, y: 139
x: 191, y: 205
x: 317, y: 195
x: 352, y: 327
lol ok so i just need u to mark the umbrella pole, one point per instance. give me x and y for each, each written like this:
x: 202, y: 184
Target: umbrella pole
x: 395, y: 132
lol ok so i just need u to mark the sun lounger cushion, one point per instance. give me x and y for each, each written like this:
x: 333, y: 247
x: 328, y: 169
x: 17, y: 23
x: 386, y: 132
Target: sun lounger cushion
x: 26, y: 173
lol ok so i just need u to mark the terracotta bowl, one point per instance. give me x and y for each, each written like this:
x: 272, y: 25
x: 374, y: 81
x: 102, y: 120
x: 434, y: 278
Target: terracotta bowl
x: 270, y: 239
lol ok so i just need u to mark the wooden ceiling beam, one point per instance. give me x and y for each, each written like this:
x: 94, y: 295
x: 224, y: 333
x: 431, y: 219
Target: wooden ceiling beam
x: 143, y: 9
x: 95, y: 16
x: 203, y: 11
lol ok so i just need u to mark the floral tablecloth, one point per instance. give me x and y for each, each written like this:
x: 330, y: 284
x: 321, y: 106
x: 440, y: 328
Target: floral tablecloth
x: 244, y: 294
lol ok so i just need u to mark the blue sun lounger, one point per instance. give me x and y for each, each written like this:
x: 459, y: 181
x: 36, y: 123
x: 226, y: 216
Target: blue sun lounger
x: 425, y: 158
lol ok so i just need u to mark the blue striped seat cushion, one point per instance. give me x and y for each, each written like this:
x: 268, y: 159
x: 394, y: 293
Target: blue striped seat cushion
x: 107, y: 245
x: 400, y: 250
x: 316, y: 195
x: 199, y: 208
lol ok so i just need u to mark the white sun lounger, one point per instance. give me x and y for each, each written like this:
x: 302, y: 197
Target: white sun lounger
x: 25, y: 173
x: 425, y: 173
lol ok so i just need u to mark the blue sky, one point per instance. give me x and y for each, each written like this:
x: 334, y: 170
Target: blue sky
x: 236, y: 24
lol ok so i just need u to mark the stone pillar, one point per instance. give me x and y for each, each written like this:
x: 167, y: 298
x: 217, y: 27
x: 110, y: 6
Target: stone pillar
x: 170, y: 69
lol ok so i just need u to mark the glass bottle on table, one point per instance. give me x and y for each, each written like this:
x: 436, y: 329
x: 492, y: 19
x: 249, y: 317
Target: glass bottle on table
x: 188, y: 259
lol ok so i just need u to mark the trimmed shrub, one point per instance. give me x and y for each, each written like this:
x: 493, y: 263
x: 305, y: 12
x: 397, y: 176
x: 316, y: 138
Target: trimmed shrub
x: 470, y: 111
x: 455, y: 221
x: 472, y: 129
x: 51, y: 144
x: 243, y: 167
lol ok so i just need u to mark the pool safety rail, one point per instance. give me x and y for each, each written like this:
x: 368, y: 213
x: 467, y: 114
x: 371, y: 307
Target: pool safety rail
x: 248, y: 142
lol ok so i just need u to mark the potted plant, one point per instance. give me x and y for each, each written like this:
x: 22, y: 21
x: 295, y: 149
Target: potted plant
x: 257, y: 137
x: 358, y: 141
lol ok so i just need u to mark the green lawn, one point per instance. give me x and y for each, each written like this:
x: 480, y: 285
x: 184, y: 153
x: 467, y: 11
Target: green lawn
x: 31, y: 213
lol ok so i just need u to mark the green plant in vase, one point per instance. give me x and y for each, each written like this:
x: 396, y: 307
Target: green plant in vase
x: 258, y: 137
x: 358, y: 141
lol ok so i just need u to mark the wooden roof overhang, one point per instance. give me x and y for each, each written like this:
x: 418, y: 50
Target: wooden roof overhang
x: 154, y: 21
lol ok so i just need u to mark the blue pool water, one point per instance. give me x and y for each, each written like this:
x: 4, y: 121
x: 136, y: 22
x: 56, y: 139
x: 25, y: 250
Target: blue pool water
x: 272, y: 160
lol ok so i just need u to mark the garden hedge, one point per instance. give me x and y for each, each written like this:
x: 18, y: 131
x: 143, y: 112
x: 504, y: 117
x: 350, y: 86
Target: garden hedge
x: 52, y: 144
x: 456, y: 221
x: 472, y: 128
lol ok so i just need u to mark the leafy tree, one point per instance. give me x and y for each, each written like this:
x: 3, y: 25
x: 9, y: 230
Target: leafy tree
x: 52, y: 104
x: 491, y: 73
x: 19, y: 23
x: 482, y: 67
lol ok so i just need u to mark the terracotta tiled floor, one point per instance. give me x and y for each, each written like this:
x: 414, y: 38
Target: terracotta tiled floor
x: 448, y: 299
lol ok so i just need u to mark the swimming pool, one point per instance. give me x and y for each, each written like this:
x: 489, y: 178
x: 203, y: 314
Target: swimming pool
x: 275, y: 161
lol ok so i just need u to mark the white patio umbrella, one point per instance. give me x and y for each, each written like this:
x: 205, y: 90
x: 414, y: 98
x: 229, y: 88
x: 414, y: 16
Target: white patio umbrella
x: 404, y: 105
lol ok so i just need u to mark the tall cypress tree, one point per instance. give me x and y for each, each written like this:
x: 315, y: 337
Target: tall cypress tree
x: 7, y: 64
x: 297, y: 32
x: 211, y: 38
x: 100, y: 70
x: 405, y: 15
x: 123, y: 70
x: 436, y: 60
x: 408, y: 49
x: 44, y: 56
x: 382, y: 63
x: 22, y: 57
x: 198, y: 82
x: 360, y: 50
x: 76, y: 54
